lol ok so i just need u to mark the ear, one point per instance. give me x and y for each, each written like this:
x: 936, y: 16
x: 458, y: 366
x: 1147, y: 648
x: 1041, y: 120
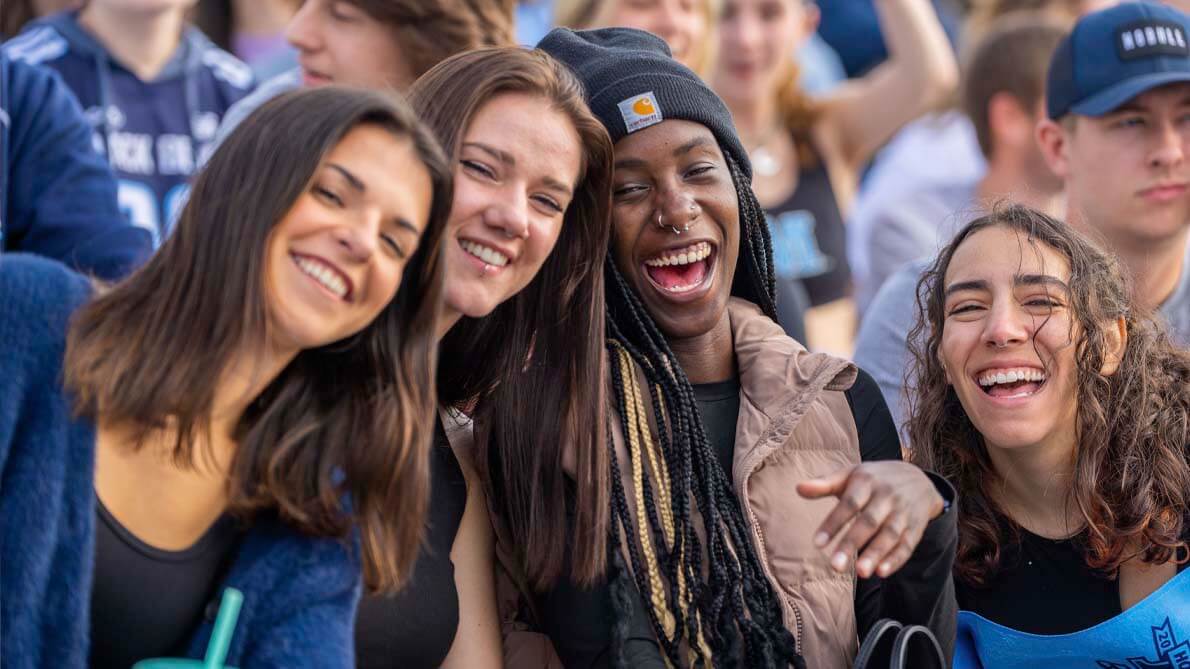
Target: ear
x: 1008, y: 122
x: 1115, y: 340
x: 942, y: 364
x: 1054, y: 141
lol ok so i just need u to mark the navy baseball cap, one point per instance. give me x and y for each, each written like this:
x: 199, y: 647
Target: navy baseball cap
x: 1116, y: 54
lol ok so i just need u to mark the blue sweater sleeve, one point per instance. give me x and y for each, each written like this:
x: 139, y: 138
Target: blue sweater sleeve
x: 37, y: 299
x: 300, y: 597
x: 60, y: 195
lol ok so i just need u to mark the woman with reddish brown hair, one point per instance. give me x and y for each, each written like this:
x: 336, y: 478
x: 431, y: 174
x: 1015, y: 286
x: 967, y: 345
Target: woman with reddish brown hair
x: 252, y: 409
x: 1062, y: 414
x: 687, y: 27
x: 521, y: 344
x: 808, y: 153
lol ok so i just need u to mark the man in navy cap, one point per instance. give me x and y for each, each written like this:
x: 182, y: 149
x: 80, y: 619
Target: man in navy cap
x: 1118, y: 134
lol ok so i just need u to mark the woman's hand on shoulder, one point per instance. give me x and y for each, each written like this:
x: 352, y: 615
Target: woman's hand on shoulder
x: 883, y: 509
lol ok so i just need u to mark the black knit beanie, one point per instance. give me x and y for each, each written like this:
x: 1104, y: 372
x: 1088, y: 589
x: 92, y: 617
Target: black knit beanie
x: 633, y: 82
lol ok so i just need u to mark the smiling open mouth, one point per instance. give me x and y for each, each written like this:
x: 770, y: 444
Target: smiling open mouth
x: 681, y: 270
x: 1012, y: 383
x: 327, y: 276
x: 487, y: 254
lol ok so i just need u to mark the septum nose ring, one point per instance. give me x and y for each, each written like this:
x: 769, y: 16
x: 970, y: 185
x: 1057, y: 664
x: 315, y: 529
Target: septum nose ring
x: 661, y: 224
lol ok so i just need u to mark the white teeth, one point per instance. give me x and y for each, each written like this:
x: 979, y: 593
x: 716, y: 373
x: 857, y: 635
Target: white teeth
x: 699, y: 251
x: 1011, y: 376
x: 328, y: 277
x: 489, y: 255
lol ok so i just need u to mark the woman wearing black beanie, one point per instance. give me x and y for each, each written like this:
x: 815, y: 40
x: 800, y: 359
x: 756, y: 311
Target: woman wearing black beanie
x: 720, y: 415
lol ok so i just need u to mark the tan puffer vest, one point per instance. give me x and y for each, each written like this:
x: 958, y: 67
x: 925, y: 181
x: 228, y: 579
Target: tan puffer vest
x: 794, y: 424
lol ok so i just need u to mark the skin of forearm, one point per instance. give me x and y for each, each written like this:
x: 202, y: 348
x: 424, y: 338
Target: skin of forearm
x: 917, y: 46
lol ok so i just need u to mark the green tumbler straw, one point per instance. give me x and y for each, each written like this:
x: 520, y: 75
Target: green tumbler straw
x: 225, y: 626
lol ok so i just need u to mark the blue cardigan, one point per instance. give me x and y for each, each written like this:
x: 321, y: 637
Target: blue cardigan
x: 300, y: 593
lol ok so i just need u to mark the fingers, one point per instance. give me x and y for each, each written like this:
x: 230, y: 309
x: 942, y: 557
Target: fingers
x: 879, y: 550
x: 900, y: 554
x: 854, y: 497
x: 823, y: 486
x: 883, y: 510
x: 869, y: 523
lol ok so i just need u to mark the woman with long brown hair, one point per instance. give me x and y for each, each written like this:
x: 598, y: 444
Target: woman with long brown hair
x: 521, y: 347
x: 1062, y: 414
x: 251, y: 410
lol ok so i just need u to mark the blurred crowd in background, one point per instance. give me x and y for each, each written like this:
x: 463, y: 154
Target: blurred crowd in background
x: 864, y: 135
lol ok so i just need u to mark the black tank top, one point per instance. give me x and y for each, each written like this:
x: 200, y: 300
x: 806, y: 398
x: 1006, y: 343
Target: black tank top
x: 1044, y: 586
x: 416, y: 627
x: 147, y: 602
x: 809, y: 240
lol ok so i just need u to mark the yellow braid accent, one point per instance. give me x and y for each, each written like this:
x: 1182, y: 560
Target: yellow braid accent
x: 661, y: 470
x: 639, y: 432
x: 668, y: 510
x: 653, y: 571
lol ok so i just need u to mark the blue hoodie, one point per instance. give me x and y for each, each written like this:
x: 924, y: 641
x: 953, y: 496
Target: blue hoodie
x: 57, y: 196
x: 154, y: 133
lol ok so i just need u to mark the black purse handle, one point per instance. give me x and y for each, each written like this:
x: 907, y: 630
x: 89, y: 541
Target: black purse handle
x: 891, y: 645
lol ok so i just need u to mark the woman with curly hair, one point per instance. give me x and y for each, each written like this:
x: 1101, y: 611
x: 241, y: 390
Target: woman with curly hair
x: 1060, y: 413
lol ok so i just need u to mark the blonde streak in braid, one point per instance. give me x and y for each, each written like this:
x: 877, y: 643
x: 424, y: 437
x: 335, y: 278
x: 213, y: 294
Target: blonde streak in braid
x: 653, y: 568
x: 686, y: 602
x: 658, y: 465
x: 661, y: 470
x: 665, y: 500
x: 685, y: 598
x: 668, y: 499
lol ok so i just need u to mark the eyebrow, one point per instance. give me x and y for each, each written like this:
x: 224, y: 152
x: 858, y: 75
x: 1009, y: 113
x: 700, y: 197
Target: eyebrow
x: 508, y: 159
x: 1041, y: 280
x: 406, y: 225
x: 1134, y: 107
x: 1018, y: 280
x: 1130, y: 107
x: 351, y: 178
x: 637, y: 163
x: 502, y: 156
x: 358, y: 185
x: 696, y: 143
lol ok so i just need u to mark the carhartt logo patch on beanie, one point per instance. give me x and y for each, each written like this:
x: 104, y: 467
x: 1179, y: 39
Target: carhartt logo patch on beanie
x: 633, y: 82
x: 640, y: 111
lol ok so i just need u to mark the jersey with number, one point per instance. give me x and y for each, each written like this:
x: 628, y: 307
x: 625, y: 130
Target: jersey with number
x: 154, y: 133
